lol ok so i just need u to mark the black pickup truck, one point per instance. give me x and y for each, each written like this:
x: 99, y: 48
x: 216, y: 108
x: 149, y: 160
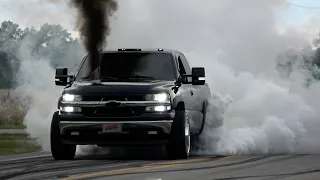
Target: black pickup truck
x: 139, y: 97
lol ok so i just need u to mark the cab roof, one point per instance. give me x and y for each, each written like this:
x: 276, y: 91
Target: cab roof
x: 149, y: 50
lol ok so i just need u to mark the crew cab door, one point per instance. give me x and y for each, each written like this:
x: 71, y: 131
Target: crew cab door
x: 194, y: 101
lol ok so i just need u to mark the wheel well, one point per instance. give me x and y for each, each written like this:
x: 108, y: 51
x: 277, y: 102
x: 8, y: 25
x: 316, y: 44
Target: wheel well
x: 180, y: 106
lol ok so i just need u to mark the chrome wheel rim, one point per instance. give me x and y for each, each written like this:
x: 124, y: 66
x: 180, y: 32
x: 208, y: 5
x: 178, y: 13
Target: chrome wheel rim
x: 187, y: 136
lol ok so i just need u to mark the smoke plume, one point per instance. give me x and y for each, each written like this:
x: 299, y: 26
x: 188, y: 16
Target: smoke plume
x: 252, y: 110
x: 238, y: 42
x: 93, y: 23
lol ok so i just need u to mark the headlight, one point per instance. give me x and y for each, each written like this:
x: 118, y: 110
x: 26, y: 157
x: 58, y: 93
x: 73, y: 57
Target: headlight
x: 71, y: 97
x: 161, y: 97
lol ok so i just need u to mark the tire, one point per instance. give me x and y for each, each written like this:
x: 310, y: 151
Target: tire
x: 60, y: 151
x: 180, y: 142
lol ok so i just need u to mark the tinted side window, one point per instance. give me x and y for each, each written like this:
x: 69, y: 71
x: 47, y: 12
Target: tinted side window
x: 181, y: 67
x: 185, y: 64
x: 184, y: 67
x: 84, y: 69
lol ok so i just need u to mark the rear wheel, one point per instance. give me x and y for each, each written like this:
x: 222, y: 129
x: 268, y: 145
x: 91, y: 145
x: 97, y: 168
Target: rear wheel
x: 180, y: 141
x: 59, y: 150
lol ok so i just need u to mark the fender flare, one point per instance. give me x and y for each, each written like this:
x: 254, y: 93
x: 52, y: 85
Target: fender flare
x: 205, y: 103
x: 180, y: 106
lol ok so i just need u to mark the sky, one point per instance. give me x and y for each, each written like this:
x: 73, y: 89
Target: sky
x: 305, y: 19
x: 298, y: 16
x: 302, y: 19
x: 292, y: 16
x: 36, y: 12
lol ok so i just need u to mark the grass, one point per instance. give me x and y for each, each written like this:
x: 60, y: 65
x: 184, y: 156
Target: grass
x: 13, y: 108
x: 17, y: 144
x: 3, y: 92
x: 12, y: 126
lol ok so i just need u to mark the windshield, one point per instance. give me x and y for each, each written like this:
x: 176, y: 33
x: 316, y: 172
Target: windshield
x: 157, y: 66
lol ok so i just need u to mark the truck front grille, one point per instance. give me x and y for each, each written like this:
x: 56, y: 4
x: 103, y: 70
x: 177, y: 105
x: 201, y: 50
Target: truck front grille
x: 112, y: 112
x: 118, y: 97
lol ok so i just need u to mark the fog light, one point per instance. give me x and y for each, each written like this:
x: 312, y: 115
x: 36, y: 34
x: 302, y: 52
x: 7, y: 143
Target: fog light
x: 158, y: 108
x: 70, y: 109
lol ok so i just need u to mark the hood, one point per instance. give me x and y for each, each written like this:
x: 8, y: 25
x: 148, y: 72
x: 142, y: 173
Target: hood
x: 119, y: 87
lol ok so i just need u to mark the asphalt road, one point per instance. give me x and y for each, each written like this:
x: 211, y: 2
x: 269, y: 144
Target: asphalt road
x: 151, y: 165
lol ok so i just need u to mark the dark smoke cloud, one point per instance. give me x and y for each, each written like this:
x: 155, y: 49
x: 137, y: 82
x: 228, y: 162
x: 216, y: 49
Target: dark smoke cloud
x: 93, y: 23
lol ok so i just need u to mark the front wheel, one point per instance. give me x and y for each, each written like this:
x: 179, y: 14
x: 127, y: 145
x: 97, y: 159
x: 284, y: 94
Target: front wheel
x: 59, y: 150
x: 180, y: 142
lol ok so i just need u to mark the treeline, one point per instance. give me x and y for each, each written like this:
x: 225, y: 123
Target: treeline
x: 51, y: 43
x: 305, y: 60
x: 55, y: 44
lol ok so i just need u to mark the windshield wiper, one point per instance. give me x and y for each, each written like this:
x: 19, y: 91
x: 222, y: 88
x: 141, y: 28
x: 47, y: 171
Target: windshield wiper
x: 129, y: 77
x: 141, y: 77
x: 109, y: 78
x: 85, y: 78
x: 105, y: 78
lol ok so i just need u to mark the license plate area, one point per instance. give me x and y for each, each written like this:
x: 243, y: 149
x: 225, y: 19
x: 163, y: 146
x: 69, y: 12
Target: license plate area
x: 112, y: 128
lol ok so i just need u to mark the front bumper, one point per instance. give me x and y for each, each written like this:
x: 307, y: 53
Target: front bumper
x: 145, y: 128
x: 148, y: 129
x: 132, y: 133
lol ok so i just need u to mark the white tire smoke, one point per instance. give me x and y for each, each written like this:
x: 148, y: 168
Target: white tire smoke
x: 237, y: 42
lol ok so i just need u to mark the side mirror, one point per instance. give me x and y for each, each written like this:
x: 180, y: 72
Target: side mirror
x: 61, y: 78
x: 198, y: 76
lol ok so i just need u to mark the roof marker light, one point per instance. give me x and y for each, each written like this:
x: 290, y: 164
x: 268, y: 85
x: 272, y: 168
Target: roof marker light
x: 129, y: 49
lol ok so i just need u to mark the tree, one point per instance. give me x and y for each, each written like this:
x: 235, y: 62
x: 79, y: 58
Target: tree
x: 316, y: 58
x: 55, y: 44
x: 10, y: 35
x: 51, y: 42
x: 307, y: 59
